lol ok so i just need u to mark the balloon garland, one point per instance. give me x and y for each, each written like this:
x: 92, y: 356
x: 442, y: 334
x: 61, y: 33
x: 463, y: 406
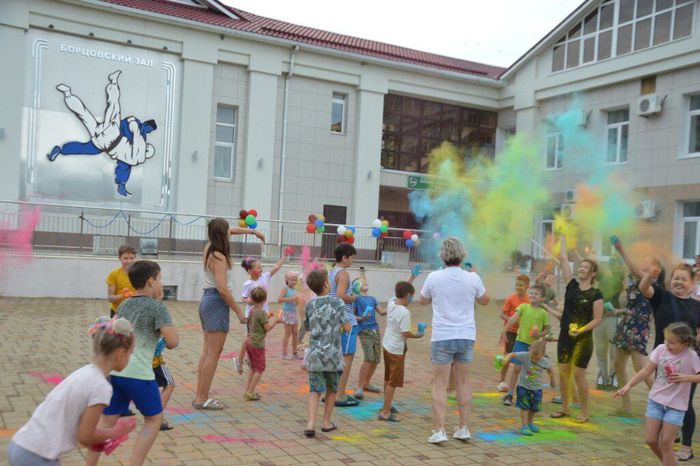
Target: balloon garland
x: 317, y: 224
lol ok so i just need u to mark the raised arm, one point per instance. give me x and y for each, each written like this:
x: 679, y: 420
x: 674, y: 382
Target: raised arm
x: 247, y: 231
x: 632, y: 266
x: 278, y: 265
x: 415, y: 272
x: 645, y: 283
x: 555, y: 312
x: 564, y: 261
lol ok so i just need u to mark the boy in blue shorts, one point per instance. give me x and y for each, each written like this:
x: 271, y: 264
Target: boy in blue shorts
x: 529, y: 400
x: 151, y: 321
x: 341, y: 287
x: 533, y: 323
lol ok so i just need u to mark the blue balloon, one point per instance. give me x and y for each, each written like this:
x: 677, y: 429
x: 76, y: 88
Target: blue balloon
x: 253, y: 226
x: 351, y: 228
x: 376, y: 232
x: 409, y: 243
x: 319, y: 223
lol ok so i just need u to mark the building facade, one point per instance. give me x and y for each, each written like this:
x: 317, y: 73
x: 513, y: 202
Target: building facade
x: 190, y: 106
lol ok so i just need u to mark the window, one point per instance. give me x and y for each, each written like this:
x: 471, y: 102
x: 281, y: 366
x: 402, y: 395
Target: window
x: 694, y: 120
x: 413, y: 127
x: 225, y: 143
x: 618, y: 27
x: 617, y: 134
x: 338, y: 113
x: 690, y: 228
x: 554, y: 147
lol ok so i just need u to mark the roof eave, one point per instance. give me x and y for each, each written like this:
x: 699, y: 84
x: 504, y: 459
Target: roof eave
x: 492, y: 82
x: 546, y: 41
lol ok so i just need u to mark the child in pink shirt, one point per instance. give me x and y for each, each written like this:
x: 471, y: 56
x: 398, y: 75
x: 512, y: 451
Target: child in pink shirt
x: 678, y: 365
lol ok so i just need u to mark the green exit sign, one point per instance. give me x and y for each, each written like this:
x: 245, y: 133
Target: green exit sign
x: 418, y: 182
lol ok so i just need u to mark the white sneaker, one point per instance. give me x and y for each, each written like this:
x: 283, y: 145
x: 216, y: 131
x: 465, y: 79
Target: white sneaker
x: 462, y: 433
x: 438, y: 437
x: 502, y: 387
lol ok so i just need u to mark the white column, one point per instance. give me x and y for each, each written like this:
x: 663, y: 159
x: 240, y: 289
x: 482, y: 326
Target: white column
x: 15, y: 19
x: 195, y: 135
x: 260, y: 142
x: 370, y: 113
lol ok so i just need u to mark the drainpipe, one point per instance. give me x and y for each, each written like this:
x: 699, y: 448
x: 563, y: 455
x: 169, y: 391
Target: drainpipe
x: 283, y: 151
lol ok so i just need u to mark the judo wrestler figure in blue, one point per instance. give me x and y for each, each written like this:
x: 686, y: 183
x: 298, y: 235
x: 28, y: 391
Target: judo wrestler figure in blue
x: 123, y: 140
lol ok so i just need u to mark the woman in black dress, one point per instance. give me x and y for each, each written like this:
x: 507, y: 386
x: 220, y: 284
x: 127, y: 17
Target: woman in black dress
x: 583, y: 311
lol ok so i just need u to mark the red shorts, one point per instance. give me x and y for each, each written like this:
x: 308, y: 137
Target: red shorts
x: 257, y: 358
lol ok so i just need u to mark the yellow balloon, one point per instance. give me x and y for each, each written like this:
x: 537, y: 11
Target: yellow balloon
x: 242, y: 224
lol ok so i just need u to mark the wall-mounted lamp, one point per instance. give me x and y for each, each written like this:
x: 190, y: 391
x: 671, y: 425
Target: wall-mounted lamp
x: 195, y: 156
x: 260, y: 162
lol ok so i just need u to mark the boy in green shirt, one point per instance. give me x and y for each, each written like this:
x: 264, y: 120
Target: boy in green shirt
x: 533, y: 324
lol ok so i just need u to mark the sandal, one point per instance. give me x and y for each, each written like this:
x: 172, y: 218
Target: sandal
x: 329, y: 429
x: 390, y: 418
x: 558, y: 414
x: 309, y: 433
x: 251, y: 396
x: 347, y: 402
x: 684, y: 455
x: 581, y: 420
x: 211, y: 404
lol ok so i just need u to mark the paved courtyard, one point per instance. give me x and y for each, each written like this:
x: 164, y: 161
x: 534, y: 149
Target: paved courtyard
x: 43, y: 340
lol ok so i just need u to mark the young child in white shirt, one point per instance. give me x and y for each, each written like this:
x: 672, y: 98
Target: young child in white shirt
x: 70, y: 412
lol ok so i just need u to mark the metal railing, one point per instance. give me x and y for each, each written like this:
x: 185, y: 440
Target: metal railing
x: 70, y: 229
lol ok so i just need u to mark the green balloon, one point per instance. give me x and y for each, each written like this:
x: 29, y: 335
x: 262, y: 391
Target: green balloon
x: 250, y: 219
x: 384, y: 228
x: 320, y: 229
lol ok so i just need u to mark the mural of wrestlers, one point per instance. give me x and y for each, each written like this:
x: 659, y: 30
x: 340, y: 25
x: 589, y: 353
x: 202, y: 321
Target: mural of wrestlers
x: 122, y: 139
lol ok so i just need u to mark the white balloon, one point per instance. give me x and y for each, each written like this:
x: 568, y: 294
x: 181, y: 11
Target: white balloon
x: 341, y: 230
x: 414, y: 237
x: 377, y: 223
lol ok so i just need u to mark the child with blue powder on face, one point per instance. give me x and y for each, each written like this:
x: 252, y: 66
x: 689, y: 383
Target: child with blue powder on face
x: 529, y: 393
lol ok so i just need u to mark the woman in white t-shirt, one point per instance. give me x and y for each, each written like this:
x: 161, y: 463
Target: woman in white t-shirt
x: 452, y: 292
x: 70, y: 412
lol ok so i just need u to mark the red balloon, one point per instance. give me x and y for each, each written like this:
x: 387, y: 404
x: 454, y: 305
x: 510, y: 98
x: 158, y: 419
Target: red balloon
x: 312, y: 218
x: 350, y: 240
x: 407, y: 234
x: 243, y: 214
x: 253, y: 212
x: 310, y: 228
x: 385, y: 234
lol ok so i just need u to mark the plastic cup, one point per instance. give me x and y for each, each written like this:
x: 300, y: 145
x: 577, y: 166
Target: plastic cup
x: 421, y: 327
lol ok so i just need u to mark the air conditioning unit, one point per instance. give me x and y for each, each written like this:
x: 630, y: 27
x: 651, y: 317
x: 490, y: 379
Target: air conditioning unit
x: 570, y: 196
x: 148, y: 246
x: 648, y: 105
x: 567, y: 210
x: 645, y: 209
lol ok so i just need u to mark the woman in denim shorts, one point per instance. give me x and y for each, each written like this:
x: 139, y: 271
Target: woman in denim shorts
x: 215, y: 304
x: 452, y: 292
